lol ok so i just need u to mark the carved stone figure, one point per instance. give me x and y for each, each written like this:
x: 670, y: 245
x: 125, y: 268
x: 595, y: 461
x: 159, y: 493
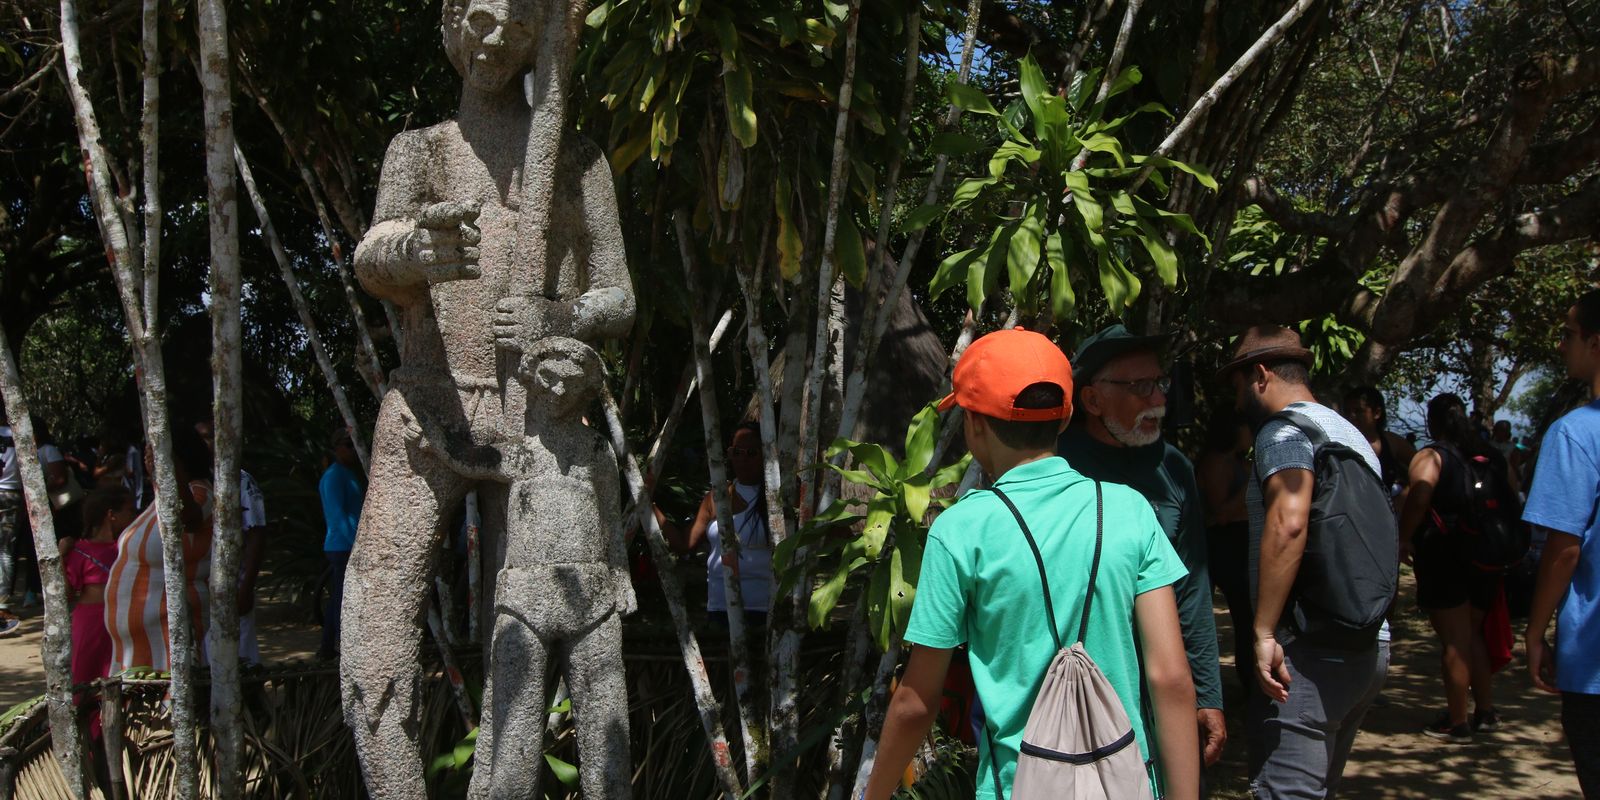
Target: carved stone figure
x: 564, y: 586
x: 492, y: 230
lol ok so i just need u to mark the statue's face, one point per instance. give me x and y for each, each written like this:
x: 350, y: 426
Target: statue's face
x: 494, y: 45
x: 563, y: 378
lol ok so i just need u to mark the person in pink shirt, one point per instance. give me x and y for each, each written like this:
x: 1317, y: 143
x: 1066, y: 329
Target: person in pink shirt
x: 106, y: 512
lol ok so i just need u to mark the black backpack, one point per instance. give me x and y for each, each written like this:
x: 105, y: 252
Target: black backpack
x: 1487, y: 518
x: 1351, y: 568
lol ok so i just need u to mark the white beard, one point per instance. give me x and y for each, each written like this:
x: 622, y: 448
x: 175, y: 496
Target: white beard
x: 1135, y: 437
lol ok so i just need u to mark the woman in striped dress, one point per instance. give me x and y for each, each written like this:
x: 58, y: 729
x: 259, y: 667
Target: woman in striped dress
x: 136, y: 600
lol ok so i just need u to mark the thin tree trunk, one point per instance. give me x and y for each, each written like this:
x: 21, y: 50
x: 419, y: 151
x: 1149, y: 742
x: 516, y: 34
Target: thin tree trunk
x: 227, y: 418
x: 1113, y: 67
x: 150, y: 147
x: 144, y: 336
x: 877, y: 707
x: 64, y: 738
x: 755, y: 750
x: 1088, y: 26
x: 811, y: 429
x: 839, y: 765
x: 111, y: 722
x: 298, y: 298
x: 1268, y: 38
x: 693, y: 661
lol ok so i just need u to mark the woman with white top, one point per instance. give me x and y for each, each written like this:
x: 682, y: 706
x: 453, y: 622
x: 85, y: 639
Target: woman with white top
x: 754, y: 566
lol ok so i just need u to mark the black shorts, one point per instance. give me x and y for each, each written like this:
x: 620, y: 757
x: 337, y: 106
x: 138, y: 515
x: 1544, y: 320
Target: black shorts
x: 1446, y: 578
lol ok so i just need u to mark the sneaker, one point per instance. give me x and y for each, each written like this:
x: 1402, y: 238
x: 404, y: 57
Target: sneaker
x: 1485, y: 721
x: 8, y: 624
x: 1442, y: 730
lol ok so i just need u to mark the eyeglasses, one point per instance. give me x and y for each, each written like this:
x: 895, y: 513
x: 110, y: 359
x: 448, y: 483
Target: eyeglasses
x: 1142, y: 387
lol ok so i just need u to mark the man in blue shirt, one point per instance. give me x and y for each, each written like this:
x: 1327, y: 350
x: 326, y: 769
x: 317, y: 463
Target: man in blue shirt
x: 1566, y: 488
x: 343, y: 489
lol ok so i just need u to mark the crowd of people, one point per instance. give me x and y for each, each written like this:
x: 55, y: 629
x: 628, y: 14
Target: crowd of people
x: 1296, y: 513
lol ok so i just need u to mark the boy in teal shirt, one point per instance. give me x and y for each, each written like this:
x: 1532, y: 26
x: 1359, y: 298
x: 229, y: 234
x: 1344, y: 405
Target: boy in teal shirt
x: 979, y: 585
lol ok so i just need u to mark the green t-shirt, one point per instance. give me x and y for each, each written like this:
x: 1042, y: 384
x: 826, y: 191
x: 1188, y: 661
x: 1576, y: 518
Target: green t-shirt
x: 979, y: 585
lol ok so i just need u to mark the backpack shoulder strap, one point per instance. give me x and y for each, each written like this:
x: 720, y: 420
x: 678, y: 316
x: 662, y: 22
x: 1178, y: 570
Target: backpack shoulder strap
x: 1038, y: 558
x: 1305, y: 424
x: 1094, y: 566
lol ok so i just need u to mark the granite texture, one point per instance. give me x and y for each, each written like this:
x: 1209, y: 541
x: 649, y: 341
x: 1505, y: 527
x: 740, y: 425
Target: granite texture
x: 496, y: 237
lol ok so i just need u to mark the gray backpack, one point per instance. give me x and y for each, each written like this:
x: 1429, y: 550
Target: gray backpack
x: 1079, y: 742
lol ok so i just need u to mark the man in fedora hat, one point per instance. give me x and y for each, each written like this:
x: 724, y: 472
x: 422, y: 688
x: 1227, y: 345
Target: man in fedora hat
x: 1121, y: 397
x: 1313, y: 695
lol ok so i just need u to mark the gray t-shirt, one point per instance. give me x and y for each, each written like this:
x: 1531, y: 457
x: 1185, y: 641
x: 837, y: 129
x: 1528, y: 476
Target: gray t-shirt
x: 10, y: 481
x: 1281, y: 446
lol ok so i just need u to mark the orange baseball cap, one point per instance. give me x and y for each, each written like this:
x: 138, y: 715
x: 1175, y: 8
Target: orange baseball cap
x: 997, y: 367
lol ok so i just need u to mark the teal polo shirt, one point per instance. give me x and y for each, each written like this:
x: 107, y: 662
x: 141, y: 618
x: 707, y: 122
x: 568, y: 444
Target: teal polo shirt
x: 979, y: 586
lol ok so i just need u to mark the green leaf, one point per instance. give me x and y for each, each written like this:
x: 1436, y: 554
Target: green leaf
x: 1091, y: 211
x: 564, y: 772
x: 859, y: 477
x: 915, y: 495
x: 1104, y: 143
x: 597, y: 17
x: 1034, y: 85
x: 951, y: 473
x: 737, y: 86
x: 1200, y: 173
x: 790, y: 247
x: 880, y: 515
x: 1023, y: 254
x: 969, y: 189
x: 849, y: 252
x: 1113, y: 124
x: 969, y: 98
x: 955, y: 144
x: 817, y: 32
x: 983, y: 276
x: 1083, y: 85
x: 921, y: 217
x: 866, y: 454
x: 1011, y: 151
x: 903, y: 574
x: 826, y: 596
x: 1173, y: 218
x: 1129, y: 78
x: 951, y: 272
x: 920, y: 441
x: 879, y: 613
x: 1161, y: 253
x: 1121, y: 286
x: 1062, y: 299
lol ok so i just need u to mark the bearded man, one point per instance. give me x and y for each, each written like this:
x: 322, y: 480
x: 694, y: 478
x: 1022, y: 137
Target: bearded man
x: 1115, y: 436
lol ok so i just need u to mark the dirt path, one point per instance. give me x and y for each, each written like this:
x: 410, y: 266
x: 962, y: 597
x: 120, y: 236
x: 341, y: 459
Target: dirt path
x: 1526, y: 758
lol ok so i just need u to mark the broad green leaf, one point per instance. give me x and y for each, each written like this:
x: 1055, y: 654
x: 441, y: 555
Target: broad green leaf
x: 867, y: 455
x: 1093, y: 214
x: 1161, y: 253
x: 790, y: 246
x: 1009, y: 151
x: 564, y: 772
x: 1121, y: 286
x: 951, y: 272
x: 737, y: 87
x: 968, y: 191
x: 1129, y: 78
x: 903, y: 581
x: 859, y: 477
x: 1034, y: 85
x: 1111, y: 125
x: 817, y: 32
x: 1062, y: 299
x: 1023, y: 253
x: 921, y: 217
x: 970, y: 98
x: 897, y: 590
x: 951, y: 473
x: 849, y: 252
x: 1200, y: 173
x: 663, y: 130
x: 597, y: 17
x: 920, y: 440
x: 1180, y: 221
x: 880, y: 515
x: 1083, y: 86
x: 1104, y: 143
x: 955, y: 144
x: 916, y: 494
x: 727, y: 34
x: 826, y: 595
x: 879, y: 614
x: 984, y: 275
x: 630, y: 150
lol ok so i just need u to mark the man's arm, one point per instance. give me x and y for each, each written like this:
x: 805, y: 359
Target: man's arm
x: 912, y: 712
x: 1166, y: 673
x: 1417, y: 497
x: 1286, y: 495
x: 1556, y: 565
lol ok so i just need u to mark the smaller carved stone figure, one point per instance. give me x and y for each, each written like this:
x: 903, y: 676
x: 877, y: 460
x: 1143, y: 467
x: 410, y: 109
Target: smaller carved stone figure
x: 564, y: 588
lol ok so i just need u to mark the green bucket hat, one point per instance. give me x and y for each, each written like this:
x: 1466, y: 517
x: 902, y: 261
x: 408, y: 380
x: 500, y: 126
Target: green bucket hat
x: 1107, y: 345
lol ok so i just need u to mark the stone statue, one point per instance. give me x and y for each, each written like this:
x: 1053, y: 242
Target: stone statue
x: 492, y: 231
x: 564, y: 586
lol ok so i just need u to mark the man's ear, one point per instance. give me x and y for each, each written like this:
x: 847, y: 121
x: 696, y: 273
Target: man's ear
x: 1089, y: 400
x: 1259, y: 375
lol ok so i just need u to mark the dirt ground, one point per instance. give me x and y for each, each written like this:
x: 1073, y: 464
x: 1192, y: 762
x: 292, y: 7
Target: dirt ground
x: 1526, y: 758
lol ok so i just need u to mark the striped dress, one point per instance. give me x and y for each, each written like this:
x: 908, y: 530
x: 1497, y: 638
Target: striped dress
x: 136, y: 599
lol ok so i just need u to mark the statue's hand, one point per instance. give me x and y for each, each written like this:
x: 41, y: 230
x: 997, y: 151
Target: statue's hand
x: 445, y: 241
x: 519, y: 321
x: 412, y: 430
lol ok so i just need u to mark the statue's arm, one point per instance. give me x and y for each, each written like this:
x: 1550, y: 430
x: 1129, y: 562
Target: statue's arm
x: 414, y: 242
x: 606, y: 310
x: 474, y: 462
x: 608, y: 489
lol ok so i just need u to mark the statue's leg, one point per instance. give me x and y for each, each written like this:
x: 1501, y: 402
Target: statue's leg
x: 385, y: 591
x: 510, y: 749
x: 600, y: 703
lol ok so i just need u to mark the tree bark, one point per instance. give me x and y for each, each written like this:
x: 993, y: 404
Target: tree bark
x: 751, y: 728
x: 57, y: 656
x: 126, y: 267
x: 693, y: 661
x: 298, y: 299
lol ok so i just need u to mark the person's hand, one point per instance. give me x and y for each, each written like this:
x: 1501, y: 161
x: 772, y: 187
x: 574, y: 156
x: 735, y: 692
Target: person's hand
x: 445, y: 241
x: 1541, y: 663
x: 1271, y: 672
x: 1213, y: 734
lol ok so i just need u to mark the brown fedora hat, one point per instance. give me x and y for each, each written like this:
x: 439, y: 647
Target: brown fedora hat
x: 1265, y: 344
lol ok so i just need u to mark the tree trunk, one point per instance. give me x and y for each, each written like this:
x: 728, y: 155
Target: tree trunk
x: 298, y: 298
x: 694, y: 663
x: 125, y: 261
x: 226, y: 416
x: 751, y: 728
x: 64, y: 737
